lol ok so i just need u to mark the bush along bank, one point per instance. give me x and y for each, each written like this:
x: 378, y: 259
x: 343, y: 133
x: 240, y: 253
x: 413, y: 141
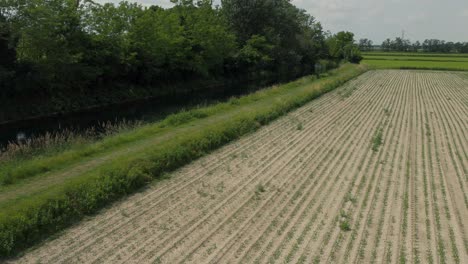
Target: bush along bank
x: 29, y: 219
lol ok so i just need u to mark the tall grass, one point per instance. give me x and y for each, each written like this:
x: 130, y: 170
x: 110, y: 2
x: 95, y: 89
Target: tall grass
x: 53, y: 142
x: 27, y: 219
x: 18, y: 160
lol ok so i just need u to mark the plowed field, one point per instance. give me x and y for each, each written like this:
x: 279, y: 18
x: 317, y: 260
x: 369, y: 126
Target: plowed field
x: 376, y: 171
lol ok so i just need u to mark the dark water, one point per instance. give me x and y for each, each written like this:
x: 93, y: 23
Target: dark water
x: 145, y: 110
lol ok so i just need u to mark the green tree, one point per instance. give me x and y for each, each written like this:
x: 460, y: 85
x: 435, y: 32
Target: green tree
x: 190, y: 40
x: 296, y: 39
x: 109, y: 50
x: 7, y: 56
x: 157, y: 38
x: 50, y: 36
x: 365, y: 44
x: 352, y: 53
x: 256, y: 52
x: 342, y: 47
x: 207, y: 37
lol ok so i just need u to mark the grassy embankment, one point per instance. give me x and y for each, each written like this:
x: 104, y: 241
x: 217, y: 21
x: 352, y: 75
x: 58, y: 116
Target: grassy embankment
x: 423, y: 61
x: 47, y: 193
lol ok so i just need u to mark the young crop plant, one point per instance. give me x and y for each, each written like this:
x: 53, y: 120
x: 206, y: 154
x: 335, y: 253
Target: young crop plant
x: 259, y: 189
x: 387, y: 111
x: 428, y: 130
x: 345, y: 225
x: 300, y: 126
x: 350, y: 198
x: 377, y: 140
x: 347, y: 91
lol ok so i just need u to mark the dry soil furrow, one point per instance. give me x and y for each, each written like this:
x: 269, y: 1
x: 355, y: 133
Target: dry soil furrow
x: 453, y: 144
x: 395, y: 216
x: 352, y: 248
x: 422, y: 230
x: 292, y: 221
x: 383, y: 219
x: 292, y: 228
x: 431, y: 232
x: 448, y: 181
x: 270, y: 245
x: 452, y: 162
x: 453, y: 129
x: 349, y: 239
x: 429, y: 237
x: 174, y: 190
x: 352, y: 172
x: 356, y: 214
x: 364, y: 220
x: 396, y: 114
x: 224, y: 221
x: 442, y: 214
x: 414, y: 255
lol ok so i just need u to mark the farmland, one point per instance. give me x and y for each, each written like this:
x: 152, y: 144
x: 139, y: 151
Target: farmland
x: 430, y: 61
x: 375, y: 171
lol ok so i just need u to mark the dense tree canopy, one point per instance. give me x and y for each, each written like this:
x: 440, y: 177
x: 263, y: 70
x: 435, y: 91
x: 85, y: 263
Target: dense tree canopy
x: 342, y: 46
x: 365, y: 44
x: 7, y: 53
x: 54, y: 48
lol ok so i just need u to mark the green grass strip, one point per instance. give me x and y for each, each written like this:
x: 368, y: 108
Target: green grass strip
x: 421, y: 59
x: 419, y: 65
x: 27, y: 219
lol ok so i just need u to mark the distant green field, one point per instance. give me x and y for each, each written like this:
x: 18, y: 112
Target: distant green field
x: 414, y: 54
x: 429, y: 61
x: 419, y: 58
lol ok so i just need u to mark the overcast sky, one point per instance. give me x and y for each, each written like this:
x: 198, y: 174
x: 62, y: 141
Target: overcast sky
x: 379, y: 19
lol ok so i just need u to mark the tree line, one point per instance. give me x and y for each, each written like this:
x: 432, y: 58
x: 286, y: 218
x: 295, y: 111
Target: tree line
x: 428, y: 45
x: 52, y: 49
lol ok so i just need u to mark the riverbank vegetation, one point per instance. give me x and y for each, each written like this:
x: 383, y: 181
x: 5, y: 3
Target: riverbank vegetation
x: 15, y: 153
x: 67, y: 55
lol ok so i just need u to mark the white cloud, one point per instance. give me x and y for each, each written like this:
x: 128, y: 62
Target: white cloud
x: 465, y: 13
x: 379, y: 19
